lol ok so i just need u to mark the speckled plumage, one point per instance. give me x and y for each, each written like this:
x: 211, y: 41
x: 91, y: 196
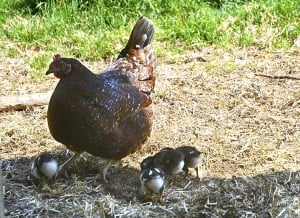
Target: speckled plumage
x: 108, y: 114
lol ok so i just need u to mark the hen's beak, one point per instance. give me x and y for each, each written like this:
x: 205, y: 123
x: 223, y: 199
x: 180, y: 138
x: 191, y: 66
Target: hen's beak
x: 50, y: 71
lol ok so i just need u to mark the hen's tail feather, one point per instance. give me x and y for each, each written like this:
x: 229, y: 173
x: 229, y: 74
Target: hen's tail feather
x: 138, y: 59
x: 142, y: 33
x: 139, y: 43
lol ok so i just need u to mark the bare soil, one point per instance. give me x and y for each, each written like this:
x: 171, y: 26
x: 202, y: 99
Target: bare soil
x: 246, y: 127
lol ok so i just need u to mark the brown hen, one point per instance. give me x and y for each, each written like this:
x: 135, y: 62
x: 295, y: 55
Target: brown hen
x: 109, y: 114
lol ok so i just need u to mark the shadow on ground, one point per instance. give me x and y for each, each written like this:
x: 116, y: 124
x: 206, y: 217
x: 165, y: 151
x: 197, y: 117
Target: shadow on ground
x: 81, y: 194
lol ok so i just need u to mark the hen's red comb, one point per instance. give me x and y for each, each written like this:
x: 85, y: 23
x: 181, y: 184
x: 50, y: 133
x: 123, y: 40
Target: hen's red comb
x: 56, y: 57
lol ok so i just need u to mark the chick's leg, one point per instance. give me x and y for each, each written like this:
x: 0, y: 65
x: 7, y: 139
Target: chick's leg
x: 186, y: 171
x: 148, y: 197
x: 65, y: 165
x: 197, y: 172
x: 160, y: 197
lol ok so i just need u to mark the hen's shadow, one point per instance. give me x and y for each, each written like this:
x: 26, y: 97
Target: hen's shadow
x: 123, y: 181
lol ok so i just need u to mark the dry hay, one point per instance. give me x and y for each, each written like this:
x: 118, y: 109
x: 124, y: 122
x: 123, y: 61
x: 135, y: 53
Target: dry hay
x: 247, y: 128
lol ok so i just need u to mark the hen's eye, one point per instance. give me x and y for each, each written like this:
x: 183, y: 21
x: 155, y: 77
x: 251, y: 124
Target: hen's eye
x: 62, y: 65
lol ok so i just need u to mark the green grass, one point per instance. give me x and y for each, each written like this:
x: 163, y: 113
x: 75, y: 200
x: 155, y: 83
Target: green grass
x: 94, y: 29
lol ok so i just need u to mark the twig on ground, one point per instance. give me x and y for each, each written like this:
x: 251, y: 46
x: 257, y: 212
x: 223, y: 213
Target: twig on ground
x: 197, y: 58
x: 8, y: 103
x: 278, y: 77
x: 1, y: 193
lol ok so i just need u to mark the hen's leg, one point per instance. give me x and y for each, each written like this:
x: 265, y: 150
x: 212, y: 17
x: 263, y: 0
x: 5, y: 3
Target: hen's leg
x: 65, y: 165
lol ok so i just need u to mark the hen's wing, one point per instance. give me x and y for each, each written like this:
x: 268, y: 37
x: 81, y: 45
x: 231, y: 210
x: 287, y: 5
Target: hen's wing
x: 137, y: 60
x: 117, y: 96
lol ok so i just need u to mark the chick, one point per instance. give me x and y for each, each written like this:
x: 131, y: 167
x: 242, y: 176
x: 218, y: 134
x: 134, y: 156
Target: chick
x: 44, y: 167
x: 170, y: 160
x: 153, y: 183
x: 147, y: 163
x: 191, y: 158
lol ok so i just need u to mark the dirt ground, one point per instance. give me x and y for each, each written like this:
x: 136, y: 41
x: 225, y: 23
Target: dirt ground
x: 246, y: 127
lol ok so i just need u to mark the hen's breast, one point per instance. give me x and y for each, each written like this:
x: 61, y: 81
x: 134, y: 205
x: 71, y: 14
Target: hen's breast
x: 101, y: 115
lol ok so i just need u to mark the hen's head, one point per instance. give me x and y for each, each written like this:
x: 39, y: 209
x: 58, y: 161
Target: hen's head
x: 59, y: 67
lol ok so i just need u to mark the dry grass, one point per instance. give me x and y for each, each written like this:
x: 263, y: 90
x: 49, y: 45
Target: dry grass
x: 247, y: 128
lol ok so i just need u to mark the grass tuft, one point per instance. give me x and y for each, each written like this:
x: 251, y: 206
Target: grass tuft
x: 94, y: 29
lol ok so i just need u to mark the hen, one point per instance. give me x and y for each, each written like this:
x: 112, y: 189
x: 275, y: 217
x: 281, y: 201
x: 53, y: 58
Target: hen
x: 109, y: 114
